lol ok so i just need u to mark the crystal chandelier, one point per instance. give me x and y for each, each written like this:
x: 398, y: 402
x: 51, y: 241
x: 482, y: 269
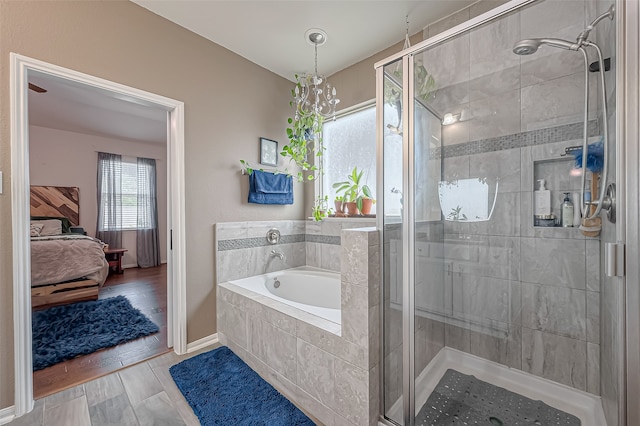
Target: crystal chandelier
x: 314, y: 95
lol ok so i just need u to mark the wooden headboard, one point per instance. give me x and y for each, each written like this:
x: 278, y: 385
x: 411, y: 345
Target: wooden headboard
x: 56, y: 201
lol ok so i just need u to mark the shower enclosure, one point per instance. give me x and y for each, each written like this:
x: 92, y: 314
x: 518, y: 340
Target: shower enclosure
x: 472, y: 281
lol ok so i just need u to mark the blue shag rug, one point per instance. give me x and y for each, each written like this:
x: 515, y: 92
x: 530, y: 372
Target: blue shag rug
x: 64, y: 332
x: 222, y: 390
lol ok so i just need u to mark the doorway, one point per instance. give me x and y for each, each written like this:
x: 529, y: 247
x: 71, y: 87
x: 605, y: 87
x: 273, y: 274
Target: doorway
x: 22, y: 68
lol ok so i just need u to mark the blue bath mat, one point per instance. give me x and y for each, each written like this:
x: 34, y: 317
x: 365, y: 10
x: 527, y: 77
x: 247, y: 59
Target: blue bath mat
x: 222, y: 390
x: 64, y: 332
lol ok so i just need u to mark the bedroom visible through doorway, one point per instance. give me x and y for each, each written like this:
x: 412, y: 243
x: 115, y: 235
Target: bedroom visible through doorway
x: 100, y: 164
x: 159, y: 290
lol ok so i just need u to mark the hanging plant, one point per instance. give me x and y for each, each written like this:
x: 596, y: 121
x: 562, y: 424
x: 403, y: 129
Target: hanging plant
x: 305, y: 139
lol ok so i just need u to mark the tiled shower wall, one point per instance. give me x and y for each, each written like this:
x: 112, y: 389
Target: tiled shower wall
x: 523, y: 296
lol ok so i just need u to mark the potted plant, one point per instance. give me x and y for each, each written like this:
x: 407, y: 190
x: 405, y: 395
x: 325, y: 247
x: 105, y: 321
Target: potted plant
x: 338, y: 204
x: 319, y: 210
x: 355, y: 193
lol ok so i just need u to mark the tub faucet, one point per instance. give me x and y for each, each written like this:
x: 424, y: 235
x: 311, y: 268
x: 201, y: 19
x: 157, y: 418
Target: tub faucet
x: 277, y: 254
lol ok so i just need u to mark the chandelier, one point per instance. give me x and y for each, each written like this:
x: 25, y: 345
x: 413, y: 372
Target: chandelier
x: 314, y: 95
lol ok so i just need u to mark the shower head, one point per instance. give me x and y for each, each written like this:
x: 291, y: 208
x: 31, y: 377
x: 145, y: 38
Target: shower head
x: 530, y: 46
x: 526, y: 47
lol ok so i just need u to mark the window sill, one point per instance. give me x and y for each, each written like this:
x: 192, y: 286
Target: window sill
x: 368, y: 218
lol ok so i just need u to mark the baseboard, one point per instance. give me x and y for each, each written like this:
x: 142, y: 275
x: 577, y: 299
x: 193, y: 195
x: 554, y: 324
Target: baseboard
x: 7, y: 415
x: 202, y: 343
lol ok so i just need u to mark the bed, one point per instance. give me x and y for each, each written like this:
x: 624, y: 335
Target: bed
x: 66, y: 267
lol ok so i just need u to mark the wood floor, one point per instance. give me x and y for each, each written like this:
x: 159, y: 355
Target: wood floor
x: 146, y: 289
x: 143, y: 394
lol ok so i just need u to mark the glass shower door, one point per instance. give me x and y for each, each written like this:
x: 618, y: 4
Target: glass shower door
x: 423, y: 159
x: 392, y: 225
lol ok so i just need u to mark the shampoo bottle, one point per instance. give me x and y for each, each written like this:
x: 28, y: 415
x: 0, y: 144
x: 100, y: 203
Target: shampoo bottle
x: 542, y: 200
x: 567, y: 211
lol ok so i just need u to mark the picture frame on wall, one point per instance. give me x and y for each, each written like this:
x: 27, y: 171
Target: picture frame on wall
x: 268, y: 152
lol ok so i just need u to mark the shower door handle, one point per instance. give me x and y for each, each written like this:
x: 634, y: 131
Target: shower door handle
x: 614, y: 260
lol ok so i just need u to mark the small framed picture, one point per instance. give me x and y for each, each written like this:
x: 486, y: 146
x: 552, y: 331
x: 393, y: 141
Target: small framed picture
x: 268, y: 152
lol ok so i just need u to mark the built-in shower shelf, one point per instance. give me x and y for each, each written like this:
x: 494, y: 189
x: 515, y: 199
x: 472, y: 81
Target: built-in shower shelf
x: 572, y: 233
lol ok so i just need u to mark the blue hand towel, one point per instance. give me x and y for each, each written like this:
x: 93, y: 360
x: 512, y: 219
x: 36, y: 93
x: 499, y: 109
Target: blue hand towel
x: 269, y: 188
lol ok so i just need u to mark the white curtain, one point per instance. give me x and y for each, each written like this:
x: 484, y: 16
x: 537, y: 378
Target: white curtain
x: 109, y: 224
x: 147, y: 236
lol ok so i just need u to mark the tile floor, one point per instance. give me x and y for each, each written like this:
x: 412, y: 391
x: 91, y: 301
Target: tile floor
x: 143, y: 394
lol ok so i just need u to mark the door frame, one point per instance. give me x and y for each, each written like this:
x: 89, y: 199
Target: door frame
x: 20, y: 67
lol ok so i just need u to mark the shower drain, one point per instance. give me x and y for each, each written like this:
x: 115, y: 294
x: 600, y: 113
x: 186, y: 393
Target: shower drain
x: 460, y: 399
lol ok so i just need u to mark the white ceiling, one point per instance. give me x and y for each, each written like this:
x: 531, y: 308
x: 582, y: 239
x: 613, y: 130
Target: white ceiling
x: 76, y: 107
x: 268, y: 33
x: 272, y: 33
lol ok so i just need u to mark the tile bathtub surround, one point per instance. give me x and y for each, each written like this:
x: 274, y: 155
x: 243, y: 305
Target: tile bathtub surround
x: 333, y: 375
x: 242, y: 249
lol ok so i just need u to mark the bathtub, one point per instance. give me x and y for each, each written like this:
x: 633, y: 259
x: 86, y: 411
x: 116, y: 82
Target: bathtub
x: 313, y: 290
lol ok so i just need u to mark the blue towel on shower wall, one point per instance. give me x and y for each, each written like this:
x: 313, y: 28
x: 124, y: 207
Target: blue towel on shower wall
x: 269, y: 188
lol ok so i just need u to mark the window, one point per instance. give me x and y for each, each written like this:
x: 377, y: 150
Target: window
x: 349, y: 141
x: 131, y: 189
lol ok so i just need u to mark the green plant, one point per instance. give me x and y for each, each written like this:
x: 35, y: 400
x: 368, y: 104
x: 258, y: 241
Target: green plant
x: 319, y: 210
x: 456, y: 214
x: 305, y: 138
x: 353, y: 190
x: 339, y: 198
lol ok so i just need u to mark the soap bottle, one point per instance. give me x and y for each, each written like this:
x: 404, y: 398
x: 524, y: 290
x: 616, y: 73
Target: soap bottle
x: 541, y: 200
x: 567, y: 211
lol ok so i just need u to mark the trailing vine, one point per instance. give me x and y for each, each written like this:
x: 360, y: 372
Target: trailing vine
x: 305, y: 139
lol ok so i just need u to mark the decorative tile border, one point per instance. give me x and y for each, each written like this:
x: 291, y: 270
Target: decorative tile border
x: 246, y: 243
x: 323, y: 239
x: 565, y: 132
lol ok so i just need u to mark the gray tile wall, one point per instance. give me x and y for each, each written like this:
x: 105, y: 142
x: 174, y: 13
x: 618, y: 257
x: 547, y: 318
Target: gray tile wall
x: 332, y: 373
x: 242, y: 249
x: 499, y: 93
x: 507, y: 291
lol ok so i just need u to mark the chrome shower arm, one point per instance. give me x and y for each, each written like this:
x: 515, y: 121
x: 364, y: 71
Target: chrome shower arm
x: 584, y: 35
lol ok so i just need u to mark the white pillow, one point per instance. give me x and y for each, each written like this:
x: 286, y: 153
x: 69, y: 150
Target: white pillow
x: 50, y: 227
x: 36, y: 228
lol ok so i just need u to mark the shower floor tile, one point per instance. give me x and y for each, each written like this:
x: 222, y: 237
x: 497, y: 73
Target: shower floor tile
x: 461, y: 399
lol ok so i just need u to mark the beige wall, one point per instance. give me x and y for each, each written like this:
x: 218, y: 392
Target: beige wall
x: 229, y: 103
x: 61, y: 158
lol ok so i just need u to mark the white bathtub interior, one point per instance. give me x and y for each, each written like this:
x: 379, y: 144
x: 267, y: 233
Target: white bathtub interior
x: 312, y: 290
